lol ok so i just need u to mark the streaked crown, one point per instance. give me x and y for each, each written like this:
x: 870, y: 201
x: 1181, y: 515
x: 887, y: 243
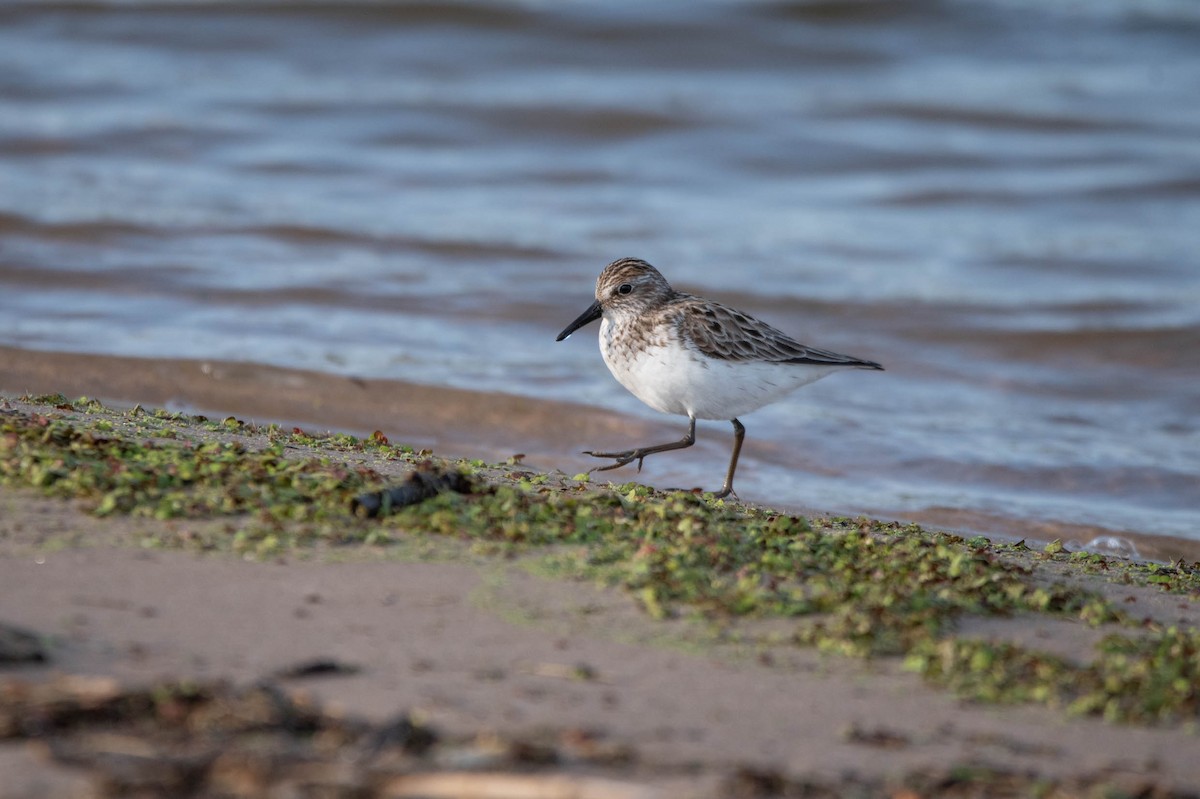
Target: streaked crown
x: 631, y: 286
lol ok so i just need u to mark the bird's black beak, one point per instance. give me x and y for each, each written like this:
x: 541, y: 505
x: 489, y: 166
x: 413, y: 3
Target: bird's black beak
x: 590, y: 315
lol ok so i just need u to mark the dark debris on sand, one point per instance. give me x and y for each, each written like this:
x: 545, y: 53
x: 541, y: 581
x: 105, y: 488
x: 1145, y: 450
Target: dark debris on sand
x: 423, y: 484
x: 20, y: 646
x: 187, y: 739
x: 190, y: 740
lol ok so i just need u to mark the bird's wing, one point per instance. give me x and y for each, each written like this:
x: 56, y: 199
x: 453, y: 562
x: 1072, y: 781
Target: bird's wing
x: 719, y: 331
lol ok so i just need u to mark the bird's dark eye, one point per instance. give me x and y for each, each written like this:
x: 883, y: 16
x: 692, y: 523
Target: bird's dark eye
x: 624, y: 288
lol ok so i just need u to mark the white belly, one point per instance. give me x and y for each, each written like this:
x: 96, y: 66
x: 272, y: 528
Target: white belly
x: 673, y: 379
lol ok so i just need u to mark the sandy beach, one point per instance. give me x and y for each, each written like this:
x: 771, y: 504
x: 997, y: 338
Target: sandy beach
x: 480, y: 646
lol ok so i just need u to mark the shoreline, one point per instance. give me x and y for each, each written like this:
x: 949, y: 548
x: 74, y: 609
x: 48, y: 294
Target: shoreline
x: 477, y: 639
x: 452, y: 421
x: 458, y: 421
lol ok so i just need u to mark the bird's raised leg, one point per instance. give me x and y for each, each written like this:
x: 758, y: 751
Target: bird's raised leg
x: 639, y: 454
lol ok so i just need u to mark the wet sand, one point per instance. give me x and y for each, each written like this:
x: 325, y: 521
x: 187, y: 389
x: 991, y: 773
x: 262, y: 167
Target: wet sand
x: 457, y: 422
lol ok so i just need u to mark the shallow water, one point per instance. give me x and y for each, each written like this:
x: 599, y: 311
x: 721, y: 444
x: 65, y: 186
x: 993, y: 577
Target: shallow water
x: 1000, y: 201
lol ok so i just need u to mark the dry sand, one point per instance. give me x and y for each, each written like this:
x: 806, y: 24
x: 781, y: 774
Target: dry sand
x: 483, y: 645
x: 487, y: 646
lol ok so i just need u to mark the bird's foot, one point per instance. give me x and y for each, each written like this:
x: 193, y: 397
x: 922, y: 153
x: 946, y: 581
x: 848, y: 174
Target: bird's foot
x: 726, y: 491
x: 621, y: 458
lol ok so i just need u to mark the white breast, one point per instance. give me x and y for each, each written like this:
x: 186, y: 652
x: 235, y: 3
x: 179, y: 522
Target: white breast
x: 672, y: 378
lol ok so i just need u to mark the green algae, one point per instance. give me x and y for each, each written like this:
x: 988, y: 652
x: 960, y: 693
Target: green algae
x: 1147, y: 679
x: 120, y: 475
x: 853, y: 587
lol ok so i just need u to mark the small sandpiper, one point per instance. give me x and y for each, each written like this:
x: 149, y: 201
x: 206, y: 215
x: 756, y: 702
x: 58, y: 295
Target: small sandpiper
x: 694, y: 357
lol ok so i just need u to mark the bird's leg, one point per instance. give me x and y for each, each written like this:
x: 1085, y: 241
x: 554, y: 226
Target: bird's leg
x: 739, y: 433
x: 639, y: 454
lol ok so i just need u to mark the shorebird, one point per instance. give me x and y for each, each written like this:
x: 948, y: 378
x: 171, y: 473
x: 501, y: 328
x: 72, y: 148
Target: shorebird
x: 693, y: 357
